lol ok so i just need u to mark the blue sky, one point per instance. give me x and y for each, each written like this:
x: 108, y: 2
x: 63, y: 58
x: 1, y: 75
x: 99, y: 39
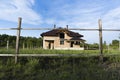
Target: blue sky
x: 75, y: 13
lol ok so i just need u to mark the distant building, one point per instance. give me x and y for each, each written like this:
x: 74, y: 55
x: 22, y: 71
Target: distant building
x: 62, y: 38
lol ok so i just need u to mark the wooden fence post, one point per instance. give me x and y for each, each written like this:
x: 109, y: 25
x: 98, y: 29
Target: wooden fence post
x: 23, y: 45
x: 100, y: 40
x: 18, y: 39
x: 119, y: 42
x: 7, y: 44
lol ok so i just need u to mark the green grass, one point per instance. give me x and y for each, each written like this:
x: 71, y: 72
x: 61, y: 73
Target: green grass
x: 43, y: 51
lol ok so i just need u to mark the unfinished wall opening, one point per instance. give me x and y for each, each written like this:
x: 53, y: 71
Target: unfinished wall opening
x: 62, y: 36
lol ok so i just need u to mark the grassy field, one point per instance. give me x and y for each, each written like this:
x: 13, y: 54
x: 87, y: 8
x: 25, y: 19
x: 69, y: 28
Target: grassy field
x: 43, y: 51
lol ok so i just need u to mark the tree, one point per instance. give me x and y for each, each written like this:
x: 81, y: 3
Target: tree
x: 115, y: 44
x: 104, y: 45
x: 93, y: 46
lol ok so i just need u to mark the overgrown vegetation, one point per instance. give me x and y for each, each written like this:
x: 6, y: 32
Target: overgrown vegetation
x: 60, y: 68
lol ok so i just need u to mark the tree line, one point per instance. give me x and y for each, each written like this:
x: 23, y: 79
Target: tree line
x: 25, y: 42
x: 113, y: 45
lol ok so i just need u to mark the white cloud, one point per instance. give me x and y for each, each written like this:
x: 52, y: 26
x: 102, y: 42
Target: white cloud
x: 76, y: 15
x: 112, y: 18
x: 12, y: 9
x: 87, y: 17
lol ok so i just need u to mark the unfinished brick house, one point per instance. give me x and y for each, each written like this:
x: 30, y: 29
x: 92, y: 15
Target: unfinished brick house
x: 62, y: 38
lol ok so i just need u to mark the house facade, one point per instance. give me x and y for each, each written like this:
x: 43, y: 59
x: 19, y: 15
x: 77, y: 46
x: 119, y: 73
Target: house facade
x: 62, y: 38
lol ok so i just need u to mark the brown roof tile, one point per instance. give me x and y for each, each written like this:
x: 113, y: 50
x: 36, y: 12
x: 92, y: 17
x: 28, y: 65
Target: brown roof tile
x: 55, y: 32
x: 76, y: 38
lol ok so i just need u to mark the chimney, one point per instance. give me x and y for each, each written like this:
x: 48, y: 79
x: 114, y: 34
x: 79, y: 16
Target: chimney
x: 54, y: 26
x: 66, y: 26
